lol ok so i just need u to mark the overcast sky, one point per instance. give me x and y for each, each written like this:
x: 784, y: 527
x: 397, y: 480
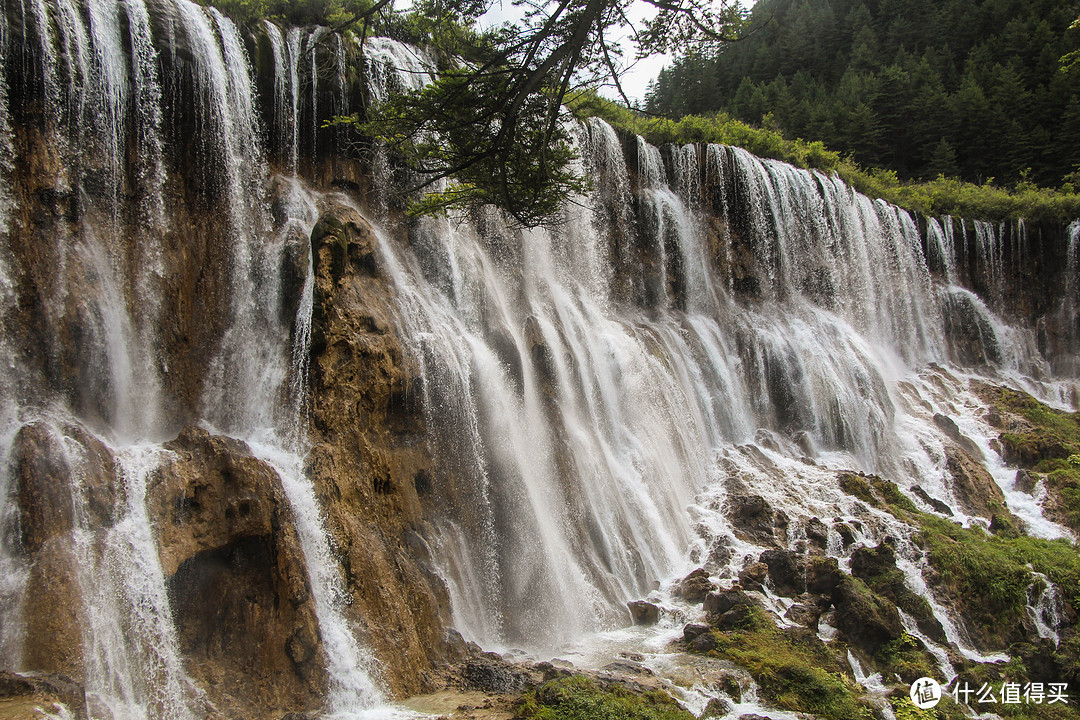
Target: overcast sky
x: 635, y: 80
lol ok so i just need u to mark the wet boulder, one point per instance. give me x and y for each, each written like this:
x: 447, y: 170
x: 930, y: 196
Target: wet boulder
x: 56, y: 473
x: 695, y: 586
x: 973, y: 484
x: 933, y: 502
x: 643, y: 612
x: 236, y: 575
x: 786, y: 572
x: 868, y: 621
x: 692, y: 630
x: 755, y: 520
x: 753, y: 576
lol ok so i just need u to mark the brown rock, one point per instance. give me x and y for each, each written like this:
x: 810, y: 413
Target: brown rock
x: 1026, y: 481
x: 643, y: 612
x: 53, y: 618
x: 44, y: 471
x: 695, y: 586
x: 236, y: 576
x: 975, y: 488
x: 371, y: 461
x: 933, y: 502
x: 822, y: 575
x: 703, y: 643
x: 718, y: 603
x: 786, y: 572
x: 804, y: 615
x: 24, y: 696
x: 950, y: 428
x: 692, y: 630
x: 817, y: 533
x: 753, y: 576
x: 867, y: 620
x: 753, y: 519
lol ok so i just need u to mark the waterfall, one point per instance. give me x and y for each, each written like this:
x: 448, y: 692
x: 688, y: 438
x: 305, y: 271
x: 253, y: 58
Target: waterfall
x: 7, y: 149
x: 700, y: 328
x: 103, y: 95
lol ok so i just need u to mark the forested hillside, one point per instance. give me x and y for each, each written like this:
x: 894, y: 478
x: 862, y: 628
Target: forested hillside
x: 968, y: 88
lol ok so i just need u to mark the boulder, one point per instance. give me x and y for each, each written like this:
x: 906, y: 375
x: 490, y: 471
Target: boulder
x: 692, y: 630
x: 786, y: 572
x: 846, y: 533
x: 804, y: 615
x: 950, y: 428
x: 718, y: 603
x: 755, y: 520
x: 973, y: 484
x: 703, y: 643
x: 28, y: 696
x: 868, y: 621
x: 1026, y: 481
x: 53, y: 477
x: 53, y: 622
x: 643, y: 612
x: 868, y: 562
x: 817, y: 534
x: 236, y: 576
x: 822, y: 575
x: 937, y: 505
x: 753, y: 576
x: 695, y: 586
x: 493, y: 677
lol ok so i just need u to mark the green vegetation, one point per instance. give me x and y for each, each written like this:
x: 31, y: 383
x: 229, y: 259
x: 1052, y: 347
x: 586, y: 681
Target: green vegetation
x: 295, y: 12
x: 1050, y: 446
x: 968, y: 88
x: 907, y: 658
x: 992, y: 571
x: 581, y: 698
x: 879, y: 493
x: 941, y: 196
x: 795, y: 670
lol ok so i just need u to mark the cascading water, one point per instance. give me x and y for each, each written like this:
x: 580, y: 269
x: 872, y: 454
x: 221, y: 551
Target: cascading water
x: 133, y: 666
x: 557, y: 401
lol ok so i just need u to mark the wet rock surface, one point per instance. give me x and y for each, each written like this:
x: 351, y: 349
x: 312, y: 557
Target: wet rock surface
x: 237, y: 580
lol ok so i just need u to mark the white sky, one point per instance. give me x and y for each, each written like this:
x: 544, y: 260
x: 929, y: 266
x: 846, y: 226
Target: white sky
x: 635, y: 79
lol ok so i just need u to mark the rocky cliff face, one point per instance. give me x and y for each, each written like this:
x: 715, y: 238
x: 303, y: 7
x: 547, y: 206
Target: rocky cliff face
x: 268, y: 446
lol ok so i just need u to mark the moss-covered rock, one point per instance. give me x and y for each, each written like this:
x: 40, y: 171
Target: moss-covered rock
x: 793, y: 667
x: 583, y: 698
x: 1044, y: 442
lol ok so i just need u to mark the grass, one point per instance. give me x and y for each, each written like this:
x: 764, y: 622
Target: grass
x: 879, y: 493
x: 581, y: 698
x: 942, y: 196
x: 992, y: 571
x: 793, y: 668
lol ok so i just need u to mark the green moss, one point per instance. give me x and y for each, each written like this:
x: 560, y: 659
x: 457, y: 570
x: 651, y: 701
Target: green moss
x: 992, y: 571
x: 879, y: 493
x: 794, y: 669
x: 1065, y: 425
x: 581, y: 698
x: 906, y: 658
x: 1065, y: 484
